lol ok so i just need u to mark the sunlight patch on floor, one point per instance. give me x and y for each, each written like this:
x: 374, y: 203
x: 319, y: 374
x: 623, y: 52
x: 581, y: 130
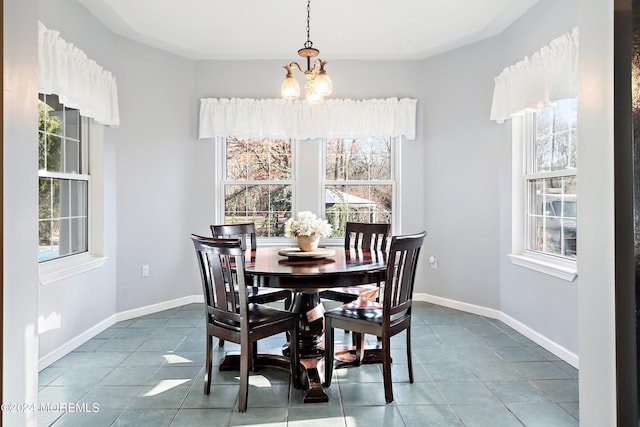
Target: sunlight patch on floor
x: 165, y: 385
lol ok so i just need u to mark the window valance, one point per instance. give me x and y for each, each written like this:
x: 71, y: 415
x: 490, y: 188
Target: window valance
x: 334, y: 118
x: 79, y: 82
x: 546, y: 76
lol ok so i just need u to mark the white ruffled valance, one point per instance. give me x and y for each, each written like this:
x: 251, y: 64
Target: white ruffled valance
x: 78, y: 81
x: 549, y: 75
x: 334, y: 118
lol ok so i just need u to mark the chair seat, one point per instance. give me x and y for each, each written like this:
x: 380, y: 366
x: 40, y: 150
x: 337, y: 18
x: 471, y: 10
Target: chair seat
x: 371, y: 311
x: 259, y: 315
x: 351, y: 293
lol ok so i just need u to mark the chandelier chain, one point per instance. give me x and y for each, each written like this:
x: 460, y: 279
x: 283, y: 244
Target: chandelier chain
x: 308, y: 43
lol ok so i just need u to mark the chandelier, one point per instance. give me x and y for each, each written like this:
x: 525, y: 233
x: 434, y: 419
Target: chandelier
x: 318, y: 82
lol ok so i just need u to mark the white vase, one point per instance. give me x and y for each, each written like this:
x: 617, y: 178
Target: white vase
x: 308, y: 243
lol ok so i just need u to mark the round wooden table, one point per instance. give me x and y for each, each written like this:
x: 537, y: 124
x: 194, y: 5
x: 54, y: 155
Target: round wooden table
x: 306, y: 277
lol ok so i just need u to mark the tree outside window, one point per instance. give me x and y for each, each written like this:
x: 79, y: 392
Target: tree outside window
x: 359, y: 185
x: 259, y: 185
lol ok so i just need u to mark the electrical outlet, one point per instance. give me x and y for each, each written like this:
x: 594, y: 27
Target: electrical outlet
x: 145, y: 270
x: 433, y: 261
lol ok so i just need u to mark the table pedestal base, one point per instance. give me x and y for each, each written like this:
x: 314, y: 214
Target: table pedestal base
x: 315, y: 391
x: 309, y: 376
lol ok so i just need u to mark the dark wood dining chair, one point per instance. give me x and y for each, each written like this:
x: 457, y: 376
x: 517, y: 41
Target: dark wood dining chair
x: 360, y: 235
x: 383, y: 319
x: 247, y: 231
x: 230, y: 316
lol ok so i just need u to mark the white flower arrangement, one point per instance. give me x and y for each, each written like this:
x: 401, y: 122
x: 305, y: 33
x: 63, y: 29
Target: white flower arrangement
x: 307, y: 224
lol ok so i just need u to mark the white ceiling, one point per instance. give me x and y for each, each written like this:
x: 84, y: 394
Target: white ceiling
x: 276, y: 29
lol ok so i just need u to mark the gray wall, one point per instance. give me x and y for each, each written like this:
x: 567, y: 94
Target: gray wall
x: 461, y: 165
x: 155, y: 176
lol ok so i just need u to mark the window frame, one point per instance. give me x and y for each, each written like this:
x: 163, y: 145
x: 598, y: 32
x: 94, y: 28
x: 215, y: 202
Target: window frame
x: 392, y: 181
x: 54, y: 270
x: 523, y: 132
x: 222, y: 181
x: 306, y: 174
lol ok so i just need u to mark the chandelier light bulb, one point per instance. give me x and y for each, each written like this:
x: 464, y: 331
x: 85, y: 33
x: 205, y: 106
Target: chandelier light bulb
x: 323, y: 83
x: 313, y: 96
x: 290, y: 87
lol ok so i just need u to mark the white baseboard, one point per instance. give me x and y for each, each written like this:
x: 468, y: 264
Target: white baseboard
x: 533, y: 335
x: 544, y: 342
x: 85, y: 336
x: 457, y: 305
x: 154, y: 308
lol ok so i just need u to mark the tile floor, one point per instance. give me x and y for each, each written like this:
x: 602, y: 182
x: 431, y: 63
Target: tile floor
x: 469, y: 371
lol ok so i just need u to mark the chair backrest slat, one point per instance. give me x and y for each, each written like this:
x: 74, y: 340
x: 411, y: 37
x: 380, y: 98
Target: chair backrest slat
x: 243, y: 231
x: 401, y: 271
x: 368, y: 236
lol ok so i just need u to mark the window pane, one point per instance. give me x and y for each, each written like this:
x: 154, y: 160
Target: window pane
x: 47, y: 248
x: 48, y: 245
x: 72, y: 156
x: 63, y: 225
x: 71, y: 123
x: 42, y: 149
x: 258, y: 160
x: 76, y: 236
x: 554, y: 146
x: 45, y: 197
x: 49, y: 198
x: 359, y: 159
x: 357, y: 203
x: 53, y: 123
x: 53, y: 153
x: 552, y: 216
x: 42, y: 108
x: 267, y: 205
x: 78, y: 198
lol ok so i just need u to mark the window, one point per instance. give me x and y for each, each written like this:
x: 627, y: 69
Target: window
x: 358, y: 184
x: 548, y: 199
x: 258, y: 183
x: 267, y: 181
x: 63, y: 180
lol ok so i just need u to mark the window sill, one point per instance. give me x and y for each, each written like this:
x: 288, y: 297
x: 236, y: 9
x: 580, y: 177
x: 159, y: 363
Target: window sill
x: 56, y: 270
x: 565, y: 270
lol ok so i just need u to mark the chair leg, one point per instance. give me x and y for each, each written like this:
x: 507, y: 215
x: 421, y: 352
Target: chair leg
x: 386, y: 368
x: 328, y: 352
x: 254, y: 355
x: 208, y: 364
x: 245, y: 361
x: 409, y: 355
